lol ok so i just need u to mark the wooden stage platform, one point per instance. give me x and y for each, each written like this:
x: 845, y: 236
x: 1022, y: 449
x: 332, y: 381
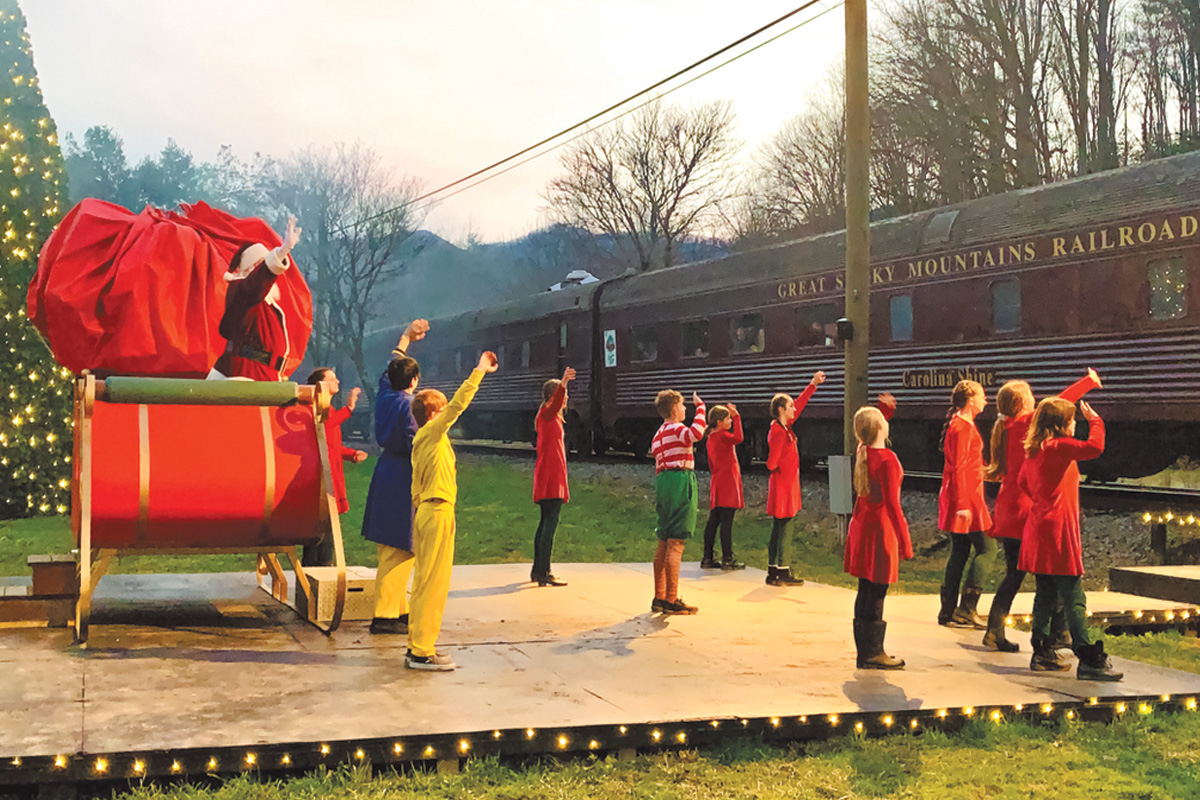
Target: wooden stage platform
x: 188, y: 674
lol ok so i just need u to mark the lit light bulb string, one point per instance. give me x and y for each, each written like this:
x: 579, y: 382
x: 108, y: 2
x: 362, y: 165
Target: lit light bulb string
x: 584, y: 740
x: 35, y: 424
x: 1164, y: 517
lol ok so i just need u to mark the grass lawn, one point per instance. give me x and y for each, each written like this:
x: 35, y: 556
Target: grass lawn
x: 1156, y: 756
x: 607, y: 520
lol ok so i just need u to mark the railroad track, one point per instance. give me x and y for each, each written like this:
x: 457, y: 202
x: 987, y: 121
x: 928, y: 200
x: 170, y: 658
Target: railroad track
x: 1113, y: 497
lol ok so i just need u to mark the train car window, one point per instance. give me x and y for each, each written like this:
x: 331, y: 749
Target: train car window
x: 816, y: 325
x: 1168, y: 288
x: 562, y: 336
x: 645, y: 343
x: 458, y: 362
x: 500, y: 356
x: 1006, y: 306
x: 695, y: 339
x: 432, y: 365
x: 525, y: 354
x: 900, y: 306
x: 746, y: 335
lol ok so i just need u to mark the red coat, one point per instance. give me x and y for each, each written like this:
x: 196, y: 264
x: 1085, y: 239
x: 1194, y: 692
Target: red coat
x: 783, y: 462
x: 254, y: 327
x: 1012, y: 503
x: 878, y: 538
x: 962, y: 480
x: 550, y: 471
x: 337, y: 454
x: 1051, y: 543
x: 725, y: 487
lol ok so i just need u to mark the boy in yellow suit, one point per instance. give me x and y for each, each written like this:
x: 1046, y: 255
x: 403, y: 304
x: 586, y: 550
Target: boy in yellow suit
x: 434, y: 491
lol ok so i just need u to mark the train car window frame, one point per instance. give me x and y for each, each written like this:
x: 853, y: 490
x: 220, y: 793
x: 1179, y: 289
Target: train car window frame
x: 1008, y: 312
x: 643, y: 343
x: 562, y: 336
x: 525, y: 354
x: 696, y: 325
x: 747, y: 334
x: 908, y: 305
x: 1168, y: 299
x: 806, y: 316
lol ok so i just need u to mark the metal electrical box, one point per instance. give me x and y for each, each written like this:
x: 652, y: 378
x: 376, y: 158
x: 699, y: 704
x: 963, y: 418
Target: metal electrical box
x: 841, y: 484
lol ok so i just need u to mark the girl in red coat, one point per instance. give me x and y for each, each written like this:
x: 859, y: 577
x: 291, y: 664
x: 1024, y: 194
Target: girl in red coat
x: 321, y: 554
x: 550, y: 476
x: 878, y: 538
x: 1051, y: 546
x: 962, y: 511
x: 1014, y: 401
x: 725, y: 486
x: 783, y: 487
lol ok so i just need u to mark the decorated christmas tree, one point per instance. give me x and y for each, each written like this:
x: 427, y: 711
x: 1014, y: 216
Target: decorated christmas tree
x: 35, y: 393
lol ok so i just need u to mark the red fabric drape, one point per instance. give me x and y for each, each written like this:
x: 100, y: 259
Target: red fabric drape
x: 142, y: 294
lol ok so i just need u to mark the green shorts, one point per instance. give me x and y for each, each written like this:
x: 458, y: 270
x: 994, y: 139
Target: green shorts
x: 675, y: 501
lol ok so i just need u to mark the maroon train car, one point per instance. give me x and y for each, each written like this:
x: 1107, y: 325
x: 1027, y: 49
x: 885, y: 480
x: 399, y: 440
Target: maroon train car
x: 1037, y: 284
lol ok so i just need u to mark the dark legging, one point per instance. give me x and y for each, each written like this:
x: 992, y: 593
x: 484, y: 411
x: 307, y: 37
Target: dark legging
x: 724, y: 518
x: 1067, y: 589
x: 543, y: 540
x: 1010, y: 585
x: 779, y: 549
x: 868, y: 603
x: 1013, y: 577
x: 980, y: 562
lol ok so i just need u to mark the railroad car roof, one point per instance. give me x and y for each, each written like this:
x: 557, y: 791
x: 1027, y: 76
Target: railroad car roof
x: 1079, y: 203
x: 542, y: 304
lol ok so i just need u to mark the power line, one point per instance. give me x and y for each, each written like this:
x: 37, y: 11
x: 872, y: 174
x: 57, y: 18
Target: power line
x: 628, y: 111
x: 598, y: 114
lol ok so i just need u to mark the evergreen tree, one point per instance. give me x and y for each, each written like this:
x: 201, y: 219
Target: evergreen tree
x: 35, y: 393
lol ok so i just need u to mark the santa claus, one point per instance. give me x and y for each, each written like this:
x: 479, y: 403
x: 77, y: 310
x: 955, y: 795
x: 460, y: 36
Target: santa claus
x: 254, y: 325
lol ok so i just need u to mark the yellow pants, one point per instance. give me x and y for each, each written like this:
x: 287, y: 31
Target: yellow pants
x: 433, y: 545
x: 391, y: 582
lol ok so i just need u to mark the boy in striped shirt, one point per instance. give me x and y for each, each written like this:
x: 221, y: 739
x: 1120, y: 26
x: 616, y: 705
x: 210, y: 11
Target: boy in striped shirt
x: 675, y: 495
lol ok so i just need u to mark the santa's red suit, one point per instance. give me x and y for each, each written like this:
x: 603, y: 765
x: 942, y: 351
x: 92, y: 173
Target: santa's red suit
x: 254, y: 325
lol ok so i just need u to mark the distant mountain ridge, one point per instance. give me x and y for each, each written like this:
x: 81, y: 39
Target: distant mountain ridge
x: 435, y: 278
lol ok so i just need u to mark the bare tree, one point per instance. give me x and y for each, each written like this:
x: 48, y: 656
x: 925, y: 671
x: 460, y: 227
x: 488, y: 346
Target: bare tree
x: 358, y: 211
x: 650, y: 180
x: 798, y: 182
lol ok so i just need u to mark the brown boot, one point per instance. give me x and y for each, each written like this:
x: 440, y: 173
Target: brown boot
x: 966, y: 615
x: 868, y: 639
x: 996, y: 638
x: 1044, y: 659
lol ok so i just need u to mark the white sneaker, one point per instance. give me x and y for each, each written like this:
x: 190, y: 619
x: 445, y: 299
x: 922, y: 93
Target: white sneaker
x: 438, y: 662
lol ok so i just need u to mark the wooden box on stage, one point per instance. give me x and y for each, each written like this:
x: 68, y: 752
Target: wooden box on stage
x: 360, y: 593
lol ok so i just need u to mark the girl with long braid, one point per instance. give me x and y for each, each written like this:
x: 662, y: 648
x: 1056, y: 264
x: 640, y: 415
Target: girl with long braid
x: 962, y: 510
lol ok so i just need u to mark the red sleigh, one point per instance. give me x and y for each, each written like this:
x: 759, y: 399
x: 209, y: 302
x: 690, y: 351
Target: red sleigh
x: 170, y: 466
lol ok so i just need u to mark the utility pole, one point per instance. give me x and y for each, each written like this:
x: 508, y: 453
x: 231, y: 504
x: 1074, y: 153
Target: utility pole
x: 858, y: 215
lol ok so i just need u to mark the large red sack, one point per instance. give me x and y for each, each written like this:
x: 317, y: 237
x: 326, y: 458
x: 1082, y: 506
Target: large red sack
x: 142, y: 294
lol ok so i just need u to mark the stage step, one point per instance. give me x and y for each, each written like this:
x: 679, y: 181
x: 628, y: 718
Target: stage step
x: 1180, y: 584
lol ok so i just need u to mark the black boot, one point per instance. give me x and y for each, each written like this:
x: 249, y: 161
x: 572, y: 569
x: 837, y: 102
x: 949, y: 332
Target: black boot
x: 949, y: 598
x: 996, y: 638
x: 1095, y: 665
x: 868, y: 639
x: 1044, y: 659
x: 782, y: 576
x: 966, y: 615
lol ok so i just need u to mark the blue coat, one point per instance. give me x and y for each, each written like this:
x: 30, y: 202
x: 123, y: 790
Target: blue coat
x: 389, y: 512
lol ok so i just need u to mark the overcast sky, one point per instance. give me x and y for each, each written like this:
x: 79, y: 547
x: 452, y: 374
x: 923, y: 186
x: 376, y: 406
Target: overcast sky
x: 439, y: 89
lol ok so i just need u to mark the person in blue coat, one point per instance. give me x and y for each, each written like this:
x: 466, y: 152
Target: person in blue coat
x: 387, y: 519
